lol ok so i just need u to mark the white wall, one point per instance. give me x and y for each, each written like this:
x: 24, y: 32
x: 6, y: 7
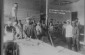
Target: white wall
x: 79, y: 6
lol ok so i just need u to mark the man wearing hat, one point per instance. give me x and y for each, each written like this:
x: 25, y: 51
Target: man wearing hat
x: 69, y: 34
x: 38, y: 30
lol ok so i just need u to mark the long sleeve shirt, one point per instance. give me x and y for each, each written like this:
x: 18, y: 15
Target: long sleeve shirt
x: 69, y: 31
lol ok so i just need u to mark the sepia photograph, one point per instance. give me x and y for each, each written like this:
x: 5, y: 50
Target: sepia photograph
x: 43, y: 27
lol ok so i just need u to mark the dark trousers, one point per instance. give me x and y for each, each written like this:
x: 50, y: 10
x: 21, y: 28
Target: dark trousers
x: 76, y: 44
x: 69, y: 42
x: 39, y: 37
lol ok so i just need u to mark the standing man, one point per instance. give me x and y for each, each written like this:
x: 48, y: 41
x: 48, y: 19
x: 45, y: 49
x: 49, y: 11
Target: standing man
x: 64, y: 30
x: 28, y: 28
x: 51, y: 29
x: 34, y: 29
x: 17, y: 32
x: 14, y: 11
x: 38, y: 31
x: 76, y: 36
x: 69, y: 34
x: 21, y: 28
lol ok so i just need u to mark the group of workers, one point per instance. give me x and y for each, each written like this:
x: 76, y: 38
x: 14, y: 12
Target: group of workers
x: 36, y: 30
x: 68, y: 30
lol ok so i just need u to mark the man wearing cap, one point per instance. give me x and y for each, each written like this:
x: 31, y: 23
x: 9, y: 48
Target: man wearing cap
x: 69, y: 34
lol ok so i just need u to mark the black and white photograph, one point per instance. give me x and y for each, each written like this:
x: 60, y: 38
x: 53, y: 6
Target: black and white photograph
x: 43, y: 27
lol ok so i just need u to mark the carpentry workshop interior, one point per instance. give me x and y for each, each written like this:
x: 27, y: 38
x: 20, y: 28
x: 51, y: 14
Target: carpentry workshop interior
x: 43, y: 27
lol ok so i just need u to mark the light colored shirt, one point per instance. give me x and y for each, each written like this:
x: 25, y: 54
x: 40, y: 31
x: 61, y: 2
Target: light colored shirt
x: 17, y: 29
x: 38, y: 29
x: 69, y: 31
x: 64, y: 26
x: 51, y: 28
x: 14, y: 11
